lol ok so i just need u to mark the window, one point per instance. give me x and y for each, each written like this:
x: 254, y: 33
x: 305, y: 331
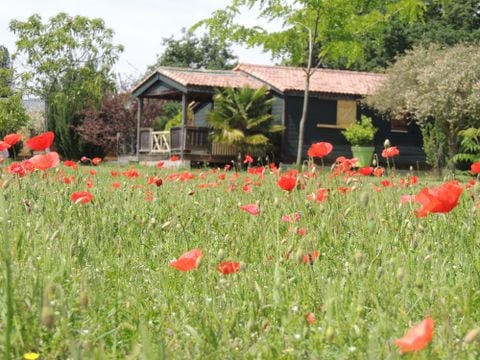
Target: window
x: 345, y: 114
x: 399, y: 125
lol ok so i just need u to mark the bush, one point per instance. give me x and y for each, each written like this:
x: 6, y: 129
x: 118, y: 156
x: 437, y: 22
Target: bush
x: 362, y: 133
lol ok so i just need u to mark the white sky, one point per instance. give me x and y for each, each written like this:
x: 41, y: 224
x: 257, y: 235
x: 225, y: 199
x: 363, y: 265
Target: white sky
x: 139, y: 25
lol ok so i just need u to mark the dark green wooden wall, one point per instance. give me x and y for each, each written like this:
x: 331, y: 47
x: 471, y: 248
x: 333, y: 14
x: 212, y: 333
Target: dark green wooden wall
x: 324, y: 111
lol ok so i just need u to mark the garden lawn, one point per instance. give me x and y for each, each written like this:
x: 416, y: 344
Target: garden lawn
x: 348, y: 275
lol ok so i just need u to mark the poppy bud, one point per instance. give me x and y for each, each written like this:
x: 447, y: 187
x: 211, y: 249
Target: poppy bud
x: 400, y: 274
x: 275, y: 202
x: 471, y: 336
x: 386, y: 143
x: 364, y: 198
x: 374, y: 162
x: 84, y: 300
x: 329, y: 333
x: 220, y: 255
x: 48, y: 317
x: 299, y: 255
x: 359, y: 257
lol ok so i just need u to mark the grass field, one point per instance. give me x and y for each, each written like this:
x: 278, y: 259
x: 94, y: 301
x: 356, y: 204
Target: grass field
x: 92, y: 280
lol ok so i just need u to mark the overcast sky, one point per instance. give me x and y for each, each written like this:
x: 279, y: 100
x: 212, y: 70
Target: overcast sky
x: 139, y: 25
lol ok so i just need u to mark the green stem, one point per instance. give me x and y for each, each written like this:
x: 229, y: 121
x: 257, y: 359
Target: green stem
x: 8, y: 273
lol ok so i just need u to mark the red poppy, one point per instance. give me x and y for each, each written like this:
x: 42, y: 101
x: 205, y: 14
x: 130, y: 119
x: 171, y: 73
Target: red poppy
x: 70, y: 164
x: 45, y: 161
x: 311, y: 318
x: 148, y: 196
x: 311, y: 257
x: 16, y: 169
x: 417, y: 337
x: 366, y: 171
x: 390, y: 152
x: 321, y: 194
x: 294, y: 218
x: 131, y: 173
x: 247, y: 188
x: 287, y: 182
x: 158, y: 182
x: 228, y: 267
x: 93, y: 172
x: 386, y: 183
x: 320, y: 149
x: 302, y: 231
x: 248, y: 159
x: 96, y: 161
x: 412, y: 180
x: 253, y: 209
x: 116, y: 185
x: 221, y: 176
x: 89, y: 183
x: 378, y: 171
x: 113, y: 173
x: 41, y: 142
x: 160, y: 164
x: 4, y: 145
x: 188, y: 261
x: 12, y: 139
x: 441, y: 199
x: 81, y: 197
x: 475, y: 168
x: 174, y: 158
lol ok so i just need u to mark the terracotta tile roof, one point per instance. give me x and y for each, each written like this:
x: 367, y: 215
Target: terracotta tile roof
x: 209, y: 78
x: 323, y: 80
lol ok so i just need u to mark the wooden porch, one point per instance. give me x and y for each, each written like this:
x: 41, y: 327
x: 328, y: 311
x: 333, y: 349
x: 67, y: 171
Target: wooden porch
x: 188, y: 142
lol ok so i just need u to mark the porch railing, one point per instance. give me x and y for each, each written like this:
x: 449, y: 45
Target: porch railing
x: 160, y: 142
x: 195, y: 140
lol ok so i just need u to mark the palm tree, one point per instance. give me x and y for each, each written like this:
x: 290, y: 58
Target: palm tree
x: 242, y: 117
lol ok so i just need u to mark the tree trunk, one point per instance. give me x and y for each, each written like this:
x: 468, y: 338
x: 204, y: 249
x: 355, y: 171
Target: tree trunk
x: 303, y: 119
x: 452, y: 149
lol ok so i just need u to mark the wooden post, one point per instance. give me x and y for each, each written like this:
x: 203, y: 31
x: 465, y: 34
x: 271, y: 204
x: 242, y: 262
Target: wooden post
x: 184, y: 125
x: 139, y: 124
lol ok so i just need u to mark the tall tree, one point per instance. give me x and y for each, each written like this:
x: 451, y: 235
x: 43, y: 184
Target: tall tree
x: 446, y: 23
x: 195, y: 52
x: 12, y: 112
x: 435, y: 85
x: 312, y: 31
x: 69, y: 65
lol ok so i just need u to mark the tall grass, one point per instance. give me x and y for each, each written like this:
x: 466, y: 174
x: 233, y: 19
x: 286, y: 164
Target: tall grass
x: 92, y: 280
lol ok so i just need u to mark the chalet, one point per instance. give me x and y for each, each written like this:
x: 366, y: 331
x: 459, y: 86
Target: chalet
x: 334, y: 103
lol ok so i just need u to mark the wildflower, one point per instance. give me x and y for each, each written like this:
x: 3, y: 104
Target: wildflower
x: 287, y: 182
x: 70, y: 164
x: 81, y: 197
x: 416, y: 337
x: 11, y: 139
x: 253, y: 209
x: 160, y: 164
x: 174, y: 158
x: 441, y: 199
x: 311, y: 318
x: 475, y: 168
x: 390, y: 152
x: 96, y: 161
x: 45, y: 161
x: 248, y: 159
x: 366, y: 171
x: 228, y: 267
x: 31, y: 356
x: 310, y: 257
x: 4, y: 145
x: 188, y: 261
x: 320, y: 149
x: 41, y: 142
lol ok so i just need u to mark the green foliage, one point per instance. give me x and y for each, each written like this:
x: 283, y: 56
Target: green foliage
x: 337, y: 28
x: 100, y: 275
x: 360, y: 133
x: 194, y: 52
x: 469, y: 146
x: 171, y: 109
x: 443, y: 22
x: 435, y: 83
x: 12, y: 112
x: 434, y: 145
x: 70, y: 63
x: 242, y: 117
